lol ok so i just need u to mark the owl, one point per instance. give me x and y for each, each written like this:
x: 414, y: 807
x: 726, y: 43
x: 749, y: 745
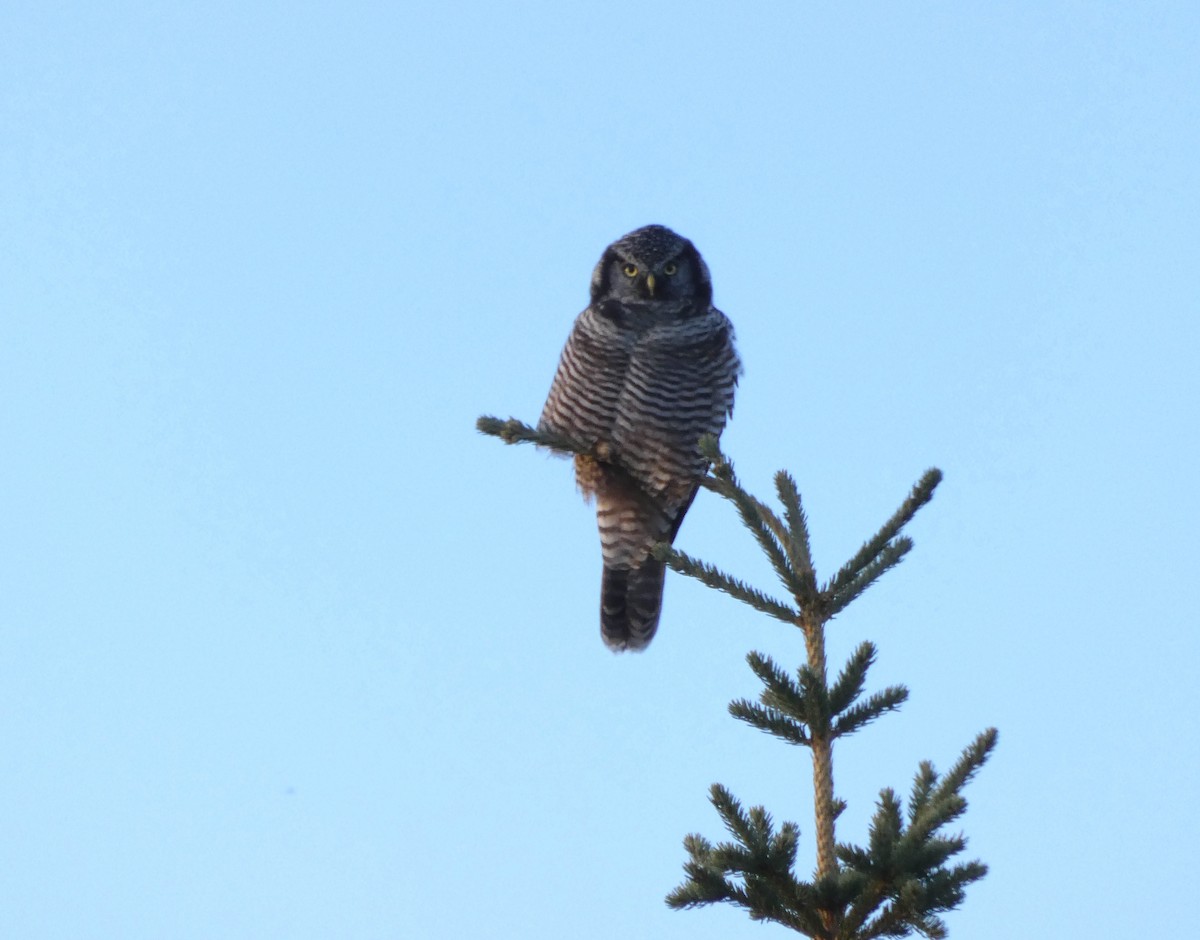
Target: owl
x: 648, y: 369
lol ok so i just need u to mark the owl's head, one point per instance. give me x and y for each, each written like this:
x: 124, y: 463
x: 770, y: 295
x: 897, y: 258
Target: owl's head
x: 650, y: 265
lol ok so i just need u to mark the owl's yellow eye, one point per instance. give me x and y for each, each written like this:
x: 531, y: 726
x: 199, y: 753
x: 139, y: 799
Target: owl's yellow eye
x: 630, y: 270
x: 669, y: 268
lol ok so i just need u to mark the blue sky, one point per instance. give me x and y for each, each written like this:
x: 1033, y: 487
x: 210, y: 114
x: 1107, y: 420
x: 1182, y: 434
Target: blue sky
x: 287, y: 650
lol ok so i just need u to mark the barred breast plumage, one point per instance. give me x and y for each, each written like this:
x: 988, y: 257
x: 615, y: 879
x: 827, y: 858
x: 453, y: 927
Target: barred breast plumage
x: 648, y: 369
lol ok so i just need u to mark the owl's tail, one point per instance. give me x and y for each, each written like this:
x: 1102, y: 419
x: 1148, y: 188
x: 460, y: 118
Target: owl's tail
x: 630, y: 603
x: 631, y: 523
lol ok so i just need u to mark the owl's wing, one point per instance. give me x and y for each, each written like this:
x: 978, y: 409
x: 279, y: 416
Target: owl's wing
x: 679, y: 386
x: 591, y: 376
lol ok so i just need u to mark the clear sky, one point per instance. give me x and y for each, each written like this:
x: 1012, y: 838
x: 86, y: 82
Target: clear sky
x: 287, y: 650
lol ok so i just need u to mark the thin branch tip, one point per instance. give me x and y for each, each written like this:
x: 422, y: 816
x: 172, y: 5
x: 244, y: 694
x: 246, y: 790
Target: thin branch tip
x: 928, y: 483
x: 511, y: 431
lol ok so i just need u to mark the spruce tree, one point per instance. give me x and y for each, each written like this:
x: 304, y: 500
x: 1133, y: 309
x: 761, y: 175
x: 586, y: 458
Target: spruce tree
x: 905, y: 876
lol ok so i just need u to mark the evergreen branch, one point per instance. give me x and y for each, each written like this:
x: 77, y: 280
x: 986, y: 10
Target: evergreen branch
x: 922, y: 788
x: 778, y: 529
x: 733, y: 491
x: 854, y: 858
x: 761, y: 823
x: 886, y: 828
x: 873, y: 868
x: 933, y: 852
x: 897, y: 921
x: 729, y: 808
x: 855, y: 888
x: 921, y: 494
x: 782, y: 692
x: 805, y: 918
x: 784, y: 845
x: 945, y: 889
x: 797, y: 542
x: 945, y: 803
x: 889, y: 556
x: 728, y: 857
x: 815, y: 696
x: 771, y: 720
x: 914, y: 900
x: 971, y: 761
x: 704, y: 887
x: 870, y: 896
x: 852, y: 678
x: 766, y: 527
x: 513, y: 431
x: 768, y: 891
x: 957, y: 879
x: 754, y: 515
x: 897, y: 886
x: 856, y: 716
x: 711, y: 576
x: 905, y: 879
x: 799, y: 584
x: 705, y: 883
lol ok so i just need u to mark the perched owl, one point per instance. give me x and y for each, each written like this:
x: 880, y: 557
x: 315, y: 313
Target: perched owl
x: 649, y: 368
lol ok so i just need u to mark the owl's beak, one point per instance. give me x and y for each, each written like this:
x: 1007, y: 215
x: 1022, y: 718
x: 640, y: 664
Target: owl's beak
x: 650, y: 284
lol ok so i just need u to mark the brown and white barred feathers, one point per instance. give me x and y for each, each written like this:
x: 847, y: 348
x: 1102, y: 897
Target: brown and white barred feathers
x: 649, y: 368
